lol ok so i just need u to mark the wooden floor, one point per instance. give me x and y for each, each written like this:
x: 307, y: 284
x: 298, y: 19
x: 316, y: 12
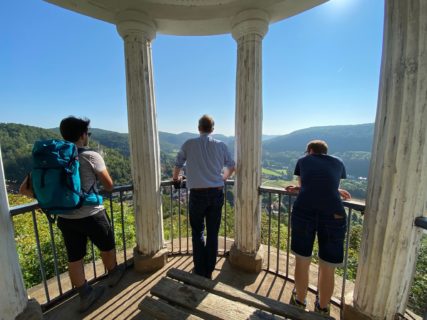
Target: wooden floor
x: 122, y: 301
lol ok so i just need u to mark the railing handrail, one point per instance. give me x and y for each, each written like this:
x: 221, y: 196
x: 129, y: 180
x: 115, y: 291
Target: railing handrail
x: 421, y: 222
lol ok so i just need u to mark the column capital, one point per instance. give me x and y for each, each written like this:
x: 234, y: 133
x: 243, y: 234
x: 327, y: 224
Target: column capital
x: 135, y: 23
x: 251, y: 21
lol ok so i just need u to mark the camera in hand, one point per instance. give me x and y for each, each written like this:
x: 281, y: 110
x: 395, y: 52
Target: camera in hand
x: 180, y: 183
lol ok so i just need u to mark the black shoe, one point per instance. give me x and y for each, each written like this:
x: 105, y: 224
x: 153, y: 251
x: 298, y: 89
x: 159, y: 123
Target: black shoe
x: 324, y: 311
x: 294, y: 301
x: 89, y: 299
x: 115, y: 275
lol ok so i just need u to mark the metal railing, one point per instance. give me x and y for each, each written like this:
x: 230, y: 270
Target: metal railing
x: 119, y: 195
x: 276, y: 208
x: 175, y: 210
x: 283, y: 202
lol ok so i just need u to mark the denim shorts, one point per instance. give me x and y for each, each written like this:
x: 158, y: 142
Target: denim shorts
x: 330, y: 231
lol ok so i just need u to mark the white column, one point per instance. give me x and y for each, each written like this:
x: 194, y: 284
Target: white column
x: 249, y: 28
x: 13, y: 295
x: 397, y: 188
x: 138, y: 31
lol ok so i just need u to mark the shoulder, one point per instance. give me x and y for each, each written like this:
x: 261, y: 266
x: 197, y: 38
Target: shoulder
x: 336, y: 159
x: 91, y: 155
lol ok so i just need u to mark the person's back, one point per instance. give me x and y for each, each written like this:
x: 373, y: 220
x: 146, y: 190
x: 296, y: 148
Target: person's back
x: 204, y: 161
x: 320, y: 176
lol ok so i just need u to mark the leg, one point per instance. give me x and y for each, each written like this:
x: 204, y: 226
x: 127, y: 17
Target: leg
x: 197, y: 208
x: 77, y: 273
x: 326, y: 283
x: 331, y: 236
x: 303, y: 233
x: 213, y: 222
x: 109, y: 259
x: 302, y: 266
x: 100, y: 233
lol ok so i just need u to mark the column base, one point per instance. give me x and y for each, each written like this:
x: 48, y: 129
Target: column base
x: 149, y: 263
x: 249, y: 262
x: 351, y: 313
x: 32, y: 311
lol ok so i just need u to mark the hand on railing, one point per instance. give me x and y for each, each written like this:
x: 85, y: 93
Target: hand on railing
x: 292, y: 189
x: 344, y: 194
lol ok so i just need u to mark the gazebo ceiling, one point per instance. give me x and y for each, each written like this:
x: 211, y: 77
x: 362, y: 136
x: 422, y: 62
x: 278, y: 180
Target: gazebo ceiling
x: 188, y: 17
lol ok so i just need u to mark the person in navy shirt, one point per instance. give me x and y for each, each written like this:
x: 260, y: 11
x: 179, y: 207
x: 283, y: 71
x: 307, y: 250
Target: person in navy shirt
x: 208, y: 165
x: 318, y: 210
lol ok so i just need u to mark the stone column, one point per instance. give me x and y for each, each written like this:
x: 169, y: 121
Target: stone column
x: 138, y: 31
x: 248, y: 29
x: 14, y: 303
x: 397, y: 187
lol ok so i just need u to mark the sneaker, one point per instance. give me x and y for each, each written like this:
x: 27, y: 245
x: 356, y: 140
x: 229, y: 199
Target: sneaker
x: 323, y: 311
x: 294, y: 301
x: 90, y: 298
x: 115, y: 275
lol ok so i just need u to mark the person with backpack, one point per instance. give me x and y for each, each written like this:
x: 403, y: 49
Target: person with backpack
x: 89, y: 218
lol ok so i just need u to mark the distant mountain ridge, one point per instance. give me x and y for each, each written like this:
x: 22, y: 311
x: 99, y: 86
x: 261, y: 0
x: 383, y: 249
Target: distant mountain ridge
x: 339, y: 138
x: 352, y: 143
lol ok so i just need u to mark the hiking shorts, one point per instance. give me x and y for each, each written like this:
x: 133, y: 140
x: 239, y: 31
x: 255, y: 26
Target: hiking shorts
x: 76, y: 232
x: 330, y: 231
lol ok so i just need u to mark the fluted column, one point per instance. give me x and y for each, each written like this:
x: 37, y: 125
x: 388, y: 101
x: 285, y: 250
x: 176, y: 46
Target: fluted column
x: 138, y: 31
x: 397, y: 187
x: 248, y: 29
x: 13, y: 296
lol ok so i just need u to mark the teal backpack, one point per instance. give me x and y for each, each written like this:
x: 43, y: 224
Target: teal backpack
x: 56, y: 180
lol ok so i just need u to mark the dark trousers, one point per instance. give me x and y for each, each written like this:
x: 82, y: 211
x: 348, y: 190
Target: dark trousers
x: 205, y: 209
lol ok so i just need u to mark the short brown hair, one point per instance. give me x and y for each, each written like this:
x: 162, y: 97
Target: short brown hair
x: 206, y: 124
x: 317, y: 146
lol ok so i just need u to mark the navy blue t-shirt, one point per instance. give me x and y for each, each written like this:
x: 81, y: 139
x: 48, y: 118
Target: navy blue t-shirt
x: 320, y: 179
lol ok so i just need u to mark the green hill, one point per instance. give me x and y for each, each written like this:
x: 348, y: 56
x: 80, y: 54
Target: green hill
x: 339, y: 138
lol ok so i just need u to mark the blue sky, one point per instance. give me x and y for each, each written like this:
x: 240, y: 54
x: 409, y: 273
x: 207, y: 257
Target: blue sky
x: 319, y: 68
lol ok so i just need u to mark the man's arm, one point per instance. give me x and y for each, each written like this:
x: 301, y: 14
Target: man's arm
x: 26, y: 187
x: 228, y: 172
x: 294, y: 189
x: 344, y: 194
x: 105, y: 179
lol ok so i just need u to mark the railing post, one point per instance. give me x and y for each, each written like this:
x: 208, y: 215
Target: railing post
x: 248, y: 29
x: 138, y: 31
x: 14, y: 303
x: 397, y: 186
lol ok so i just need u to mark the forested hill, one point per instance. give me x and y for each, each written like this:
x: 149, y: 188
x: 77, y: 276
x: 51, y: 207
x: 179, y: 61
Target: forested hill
x: 339, y: 138
x: 351, y: 143
x: 16, y: 142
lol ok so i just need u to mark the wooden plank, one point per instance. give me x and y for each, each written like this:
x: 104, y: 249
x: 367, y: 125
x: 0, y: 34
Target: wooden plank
x: 160, y: 310
x: 247, y: 298
x: 206, y: 305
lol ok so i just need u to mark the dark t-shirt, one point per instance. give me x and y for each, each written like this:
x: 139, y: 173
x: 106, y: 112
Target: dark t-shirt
x: 320, y: 179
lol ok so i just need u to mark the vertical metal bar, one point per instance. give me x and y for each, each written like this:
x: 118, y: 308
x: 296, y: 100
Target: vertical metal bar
x: 225, y: 217
x: 112, y: 215
x: 55, y: 257
x: 39, y: 253
x: 288, y: 245
x: 347, y: 244
x: 269, y: 229
x: 123, y: 226
x: 278, y: 233
x: 188, y: 218
x: 179, y: 219
x: 171, y: 217
x: 93, y: 259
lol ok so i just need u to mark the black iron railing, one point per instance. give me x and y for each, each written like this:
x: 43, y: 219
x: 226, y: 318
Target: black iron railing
x: 53, y: 295
x: 275, y: 233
